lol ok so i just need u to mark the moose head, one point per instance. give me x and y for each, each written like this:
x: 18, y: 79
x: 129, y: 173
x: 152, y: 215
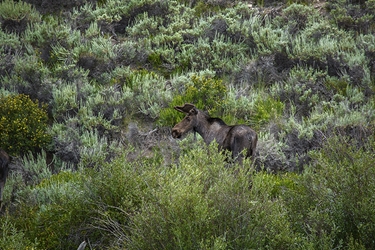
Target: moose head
x: 188, y: 123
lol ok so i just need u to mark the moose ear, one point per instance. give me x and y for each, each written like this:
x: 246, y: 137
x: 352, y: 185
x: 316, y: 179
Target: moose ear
x: 186, y: 108
x: 193, y: 111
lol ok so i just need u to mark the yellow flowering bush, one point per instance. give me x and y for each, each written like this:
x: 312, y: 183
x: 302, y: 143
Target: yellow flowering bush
x: 23, y: 124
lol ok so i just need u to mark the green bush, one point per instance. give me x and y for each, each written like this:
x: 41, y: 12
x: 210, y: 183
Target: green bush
x: 146, y: 93
x: 296, y: 17
x: 9, y: 41
x: 88, y: 122
x: 36, y: 168
x: 23, y: 124
x: 337, y: 199
x: 265, y: 110
x: 31, y: 77
x: 200, y: 204
x: 17, y: 11
x: 257, y: 109
x: 55, y: 210
x: 355, y: 16
x: 302, y: 90
x: 221, y: 55
x: 120, y: 190
x: 237, y: 107
x: 205, y: 93
x: 337, y: 85
x: 12, y: 238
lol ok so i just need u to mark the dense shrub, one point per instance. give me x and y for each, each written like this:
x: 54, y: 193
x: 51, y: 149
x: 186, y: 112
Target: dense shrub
x: 262, y: 71
x: 11, y: 238
x: 221, y: 55
x: 197, y: 204
x: 146, y: 93
x: 15, y: 16
x: 205, y: 93
x: 337, y: 200
x: 265, y: 110
x: 46, y: 7
x: 29, y: 76
x: 23, y: 124
x: 47, y: 215
x: 355, y: 15
x: 109, y: 70
x: 303, y: 89
x: 296, y: 17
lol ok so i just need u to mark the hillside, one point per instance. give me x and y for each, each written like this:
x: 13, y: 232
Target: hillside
x: 87, y: 90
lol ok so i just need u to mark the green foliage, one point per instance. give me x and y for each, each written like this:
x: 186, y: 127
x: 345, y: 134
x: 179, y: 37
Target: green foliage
x: 354, y: 16
x: 202, y: 7
x: 297, y: 17
x: 205, y: 93
x: 300, y: 90
x: 11, y: 238
x: 265, y: 110
x: 181, y: 210
x: 299, y: 75
x: 65, y: 99
x: 48, y: 216
x: 321, y: 49
x: 146, y: 93
x: 237, y: 109
x: 338, y: 199
x: 257, y: 109
x: 9, y: 41
x: 23, y: 124
x: 50, y: 30
x: 221, y: 55
x: 201, y: 204
x: 197, y: 205
x: 29, y: 76
x: 36, y: 167
x: 17, y: 11
x: 339, y: 86
x: 169, y: 116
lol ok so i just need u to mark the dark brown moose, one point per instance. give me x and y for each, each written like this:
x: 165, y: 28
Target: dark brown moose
x: 235, y: 138
x: 4, y: 161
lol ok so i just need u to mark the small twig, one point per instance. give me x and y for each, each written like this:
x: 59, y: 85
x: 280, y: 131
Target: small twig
x: 82, y: 245
x: 149, y: 133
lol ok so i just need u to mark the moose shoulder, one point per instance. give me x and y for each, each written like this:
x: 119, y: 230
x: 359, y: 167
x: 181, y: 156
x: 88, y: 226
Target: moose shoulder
x: 236, y: 138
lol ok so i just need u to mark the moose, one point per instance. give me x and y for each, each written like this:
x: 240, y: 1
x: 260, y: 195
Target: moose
x: 236, y: 138
x: 4, y: 161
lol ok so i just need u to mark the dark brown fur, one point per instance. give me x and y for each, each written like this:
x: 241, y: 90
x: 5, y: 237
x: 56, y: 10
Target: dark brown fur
x: 4, y: 169
x: 236, y: 138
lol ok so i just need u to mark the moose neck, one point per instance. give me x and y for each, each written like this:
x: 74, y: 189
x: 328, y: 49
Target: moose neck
x: 210, y: 130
